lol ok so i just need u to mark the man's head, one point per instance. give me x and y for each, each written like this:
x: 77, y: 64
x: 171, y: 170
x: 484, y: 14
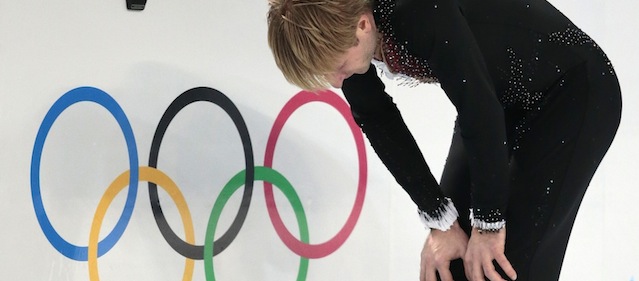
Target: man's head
x: 320, y: 43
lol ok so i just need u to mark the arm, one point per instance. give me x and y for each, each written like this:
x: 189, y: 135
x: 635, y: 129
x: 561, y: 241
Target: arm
x: 383, y: 125
x: 437, y: 31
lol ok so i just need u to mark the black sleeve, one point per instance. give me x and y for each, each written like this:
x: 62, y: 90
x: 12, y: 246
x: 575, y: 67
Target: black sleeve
x: 437, y: 31
x: 381, y: 121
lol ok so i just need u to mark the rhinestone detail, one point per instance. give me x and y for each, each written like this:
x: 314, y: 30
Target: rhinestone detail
x: 395, y: 55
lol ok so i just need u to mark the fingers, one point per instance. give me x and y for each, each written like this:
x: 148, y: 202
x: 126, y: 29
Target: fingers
x: 468, y: 270
x: 490, y: 272
x: 426, y: 274
x: 440, y: 248
x: 427, y: 270
x: 444, y: 273
x: 429, y: 273
x: 472, y: 269
x: 478, y: 271
x: 505, y: 265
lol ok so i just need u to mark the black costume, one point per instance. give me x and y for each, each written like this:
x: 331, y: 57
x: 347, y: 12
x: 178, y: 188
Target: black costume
x: 538, y: 105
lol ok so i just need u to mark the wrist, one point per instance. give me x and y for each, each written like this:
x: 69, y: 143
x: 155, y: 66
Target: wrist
x: 477, y: 230
x: 483, y: 220
x: 442, y: 218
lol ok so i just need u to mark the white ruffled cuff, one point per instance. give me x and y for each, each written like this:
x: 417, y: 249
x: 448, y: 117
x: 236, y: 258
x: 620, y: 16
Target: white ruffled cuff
x: 492, y: 222
x: 442, y: 218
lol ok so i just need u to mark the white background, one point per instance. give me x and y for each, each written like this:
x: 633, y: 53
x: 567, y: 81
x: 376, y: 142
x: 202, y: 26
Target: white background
x: 146, y: 59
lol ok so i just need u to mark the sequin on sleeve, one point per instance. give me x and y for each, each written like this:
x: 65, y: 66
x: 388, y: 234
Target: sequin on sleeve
x: 380, y: 120
x: 431, y: 41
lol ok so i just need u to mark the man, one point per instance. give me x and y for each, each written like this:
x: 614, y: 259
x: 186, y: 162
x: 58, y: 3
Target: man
x: 538, y: 105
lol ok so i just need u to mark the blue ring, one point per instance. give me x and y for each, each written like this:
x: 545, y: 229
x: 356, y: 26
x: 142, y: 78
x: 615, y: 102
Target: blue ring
x: 98, y: 96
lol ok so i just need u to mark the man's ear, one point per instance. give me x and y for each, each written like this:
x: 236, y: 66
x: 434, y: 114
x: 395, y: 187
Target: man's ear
x: 365, y: 24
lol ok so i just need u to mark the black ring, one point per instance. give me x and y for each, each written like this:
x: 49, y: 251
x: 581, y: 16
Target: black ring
x: 214, y: 96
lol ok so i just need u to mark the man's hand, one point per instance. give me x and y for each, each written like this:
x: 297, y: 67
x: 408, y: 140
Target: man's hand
x: 440, y: 248
x: 482, y: 249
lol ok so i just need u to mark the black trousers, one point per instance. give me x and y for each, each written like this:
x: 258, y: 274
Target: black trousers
x: 550, y: 170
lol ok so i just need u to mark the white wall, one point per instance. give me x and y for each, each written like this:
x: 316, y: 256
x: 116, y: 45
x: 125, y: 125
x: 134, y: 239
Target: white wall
x: 144, y: 60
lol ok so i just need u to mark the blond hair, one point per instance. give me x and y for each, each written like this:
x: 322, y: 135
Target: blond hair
x: 307, y: 36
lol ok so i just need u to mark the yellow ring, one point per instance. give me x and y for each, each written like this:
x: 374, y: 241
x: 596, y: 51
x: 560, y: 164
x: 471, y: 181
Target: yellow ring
x: 146, y: 174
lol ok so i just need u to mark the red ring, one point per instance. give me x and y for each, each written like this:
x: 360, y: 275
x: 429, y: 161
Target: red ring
x: 321, y: 250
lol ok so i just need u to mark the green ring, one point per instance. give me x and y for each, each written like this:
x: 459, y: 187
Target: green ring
x: 263, y: 174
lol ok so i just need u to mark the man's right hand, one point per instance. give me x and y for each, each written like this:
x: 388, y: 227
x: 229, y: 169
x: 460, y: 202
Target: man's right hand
x: 440, y: 248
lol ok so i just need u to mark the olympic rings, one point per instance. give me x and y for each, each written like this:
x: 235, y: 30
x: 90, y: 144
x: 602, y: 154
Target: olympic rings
x: 188, y: 97
x: 69, y: 250
x: 150, y: 175
x: 328, y: 247
x: 267, y: 175
x: 153, y: 176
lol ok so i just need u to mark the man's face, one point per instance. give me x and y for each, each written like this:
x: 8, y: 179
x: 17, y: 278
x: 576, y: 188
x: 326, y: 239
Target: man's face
x: 356, y: 59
